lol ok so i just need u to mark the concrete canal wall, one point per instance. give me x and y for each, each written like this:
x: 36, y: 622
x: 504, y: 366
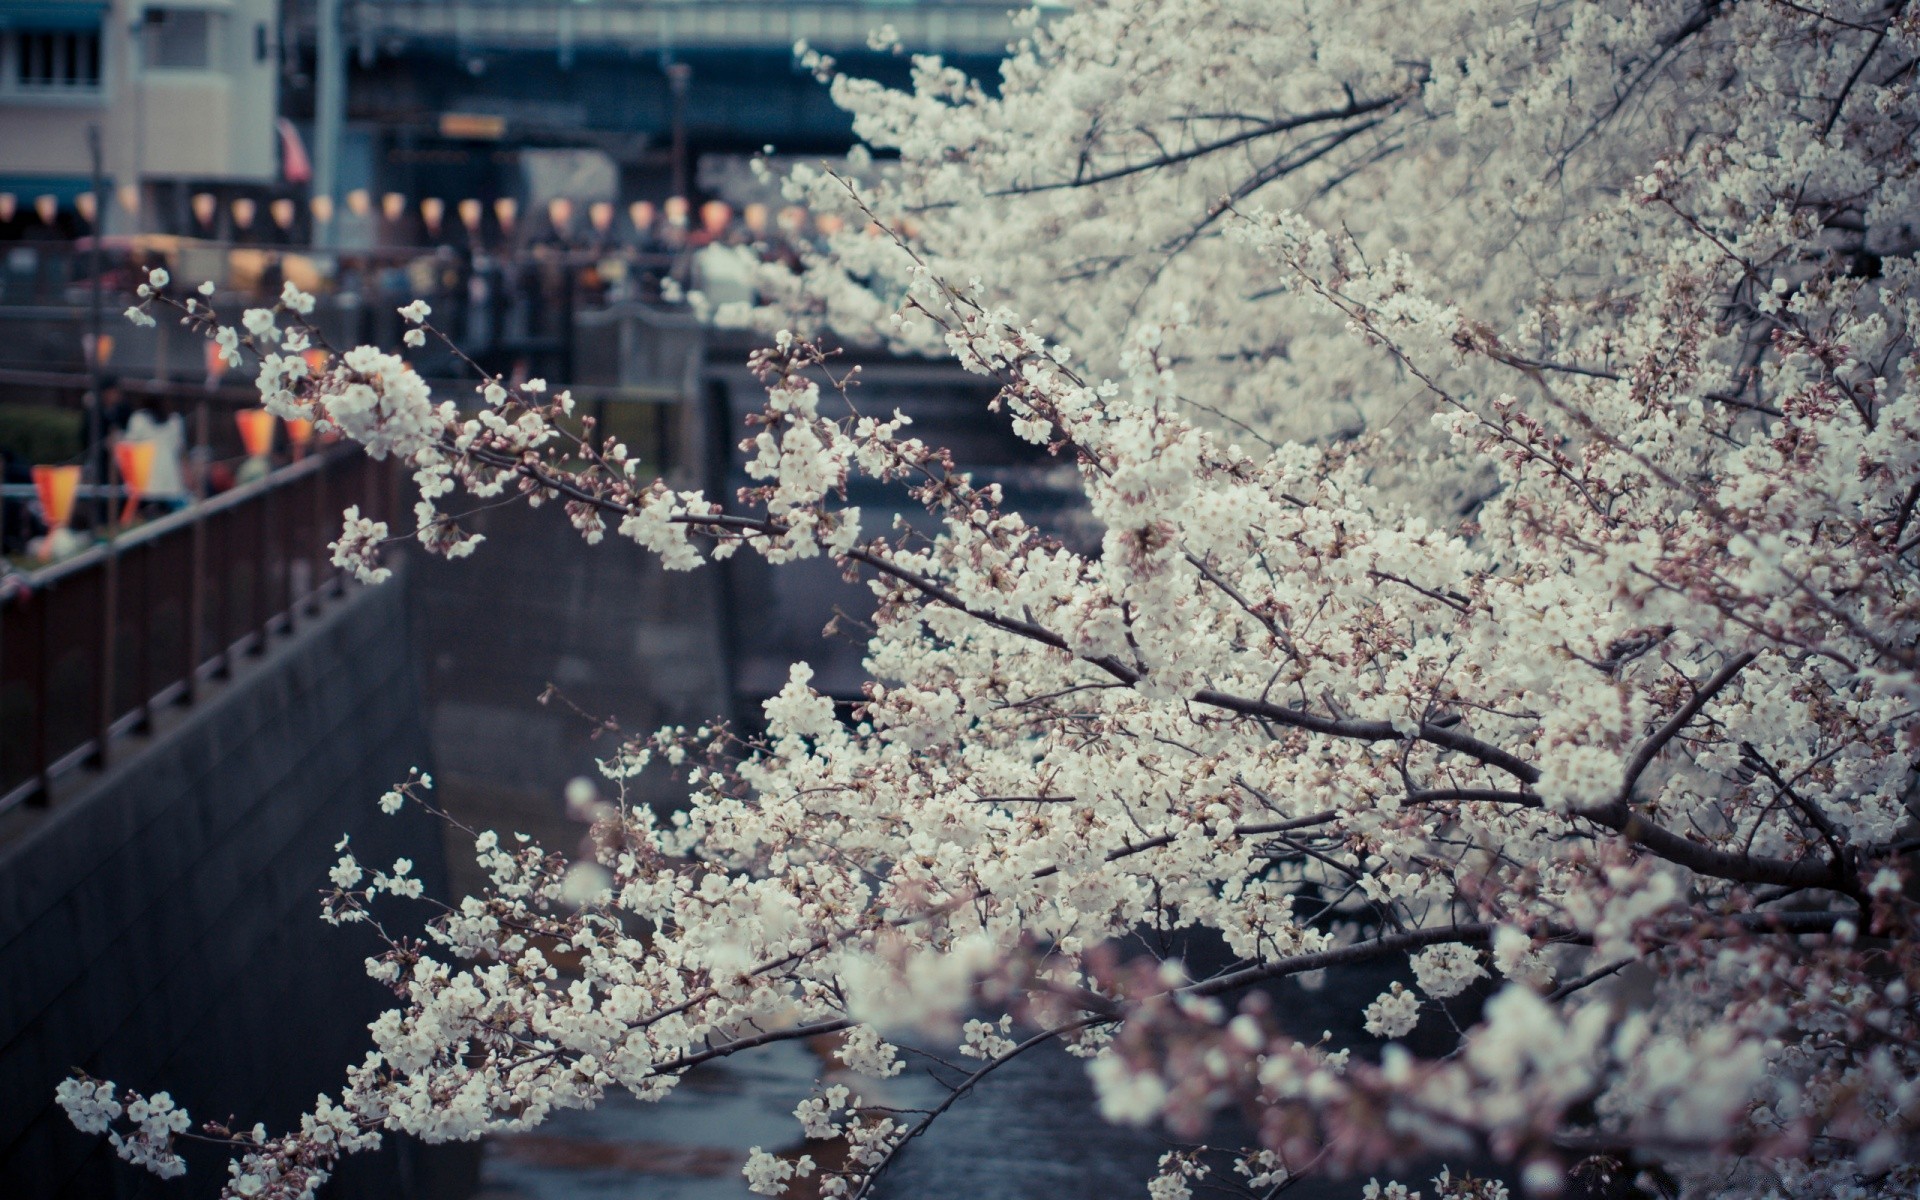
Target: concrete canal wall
x: 159, y: 922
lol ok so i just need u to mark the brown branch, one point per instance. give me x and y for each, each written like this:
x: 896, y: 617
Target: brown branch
x: 1446, y: 737
x: 1285, y: 125
x: 748, y: 1043
x: 1651, y: 749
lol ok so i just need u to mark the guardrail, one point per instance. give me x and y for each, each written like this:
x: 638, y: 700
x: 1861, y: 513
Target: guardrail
x: 91, y: 647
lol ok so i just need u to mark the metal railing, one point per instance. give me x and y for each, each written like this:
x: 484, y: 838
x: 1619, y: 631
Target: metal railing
x: 949, y: 26
x: 91, y: 647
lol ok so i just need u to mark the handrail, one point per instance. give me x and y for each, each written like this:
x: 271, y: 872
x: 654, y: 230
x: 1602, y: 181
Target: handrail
x: 92, y: 646
x: 97, y: 554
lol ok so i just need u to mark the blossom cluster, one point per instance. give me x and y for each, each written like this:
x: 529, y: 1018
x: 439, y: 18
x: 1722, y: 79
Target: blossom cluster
x: 1501, y: 423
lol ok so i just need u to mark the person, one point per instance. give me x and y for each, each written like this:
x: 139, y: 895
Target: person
x: 156, y: 423
x: 723, y: 272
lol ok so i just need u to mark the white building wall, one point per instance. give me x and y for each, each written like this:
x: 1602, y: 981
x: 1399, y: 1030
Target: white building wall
x: 206, y: 116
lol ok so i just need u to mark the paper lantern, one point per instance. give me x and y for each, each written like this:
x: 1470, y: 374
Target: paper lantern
x: 360, y: 202
x: 828, y: 224
x: 677, y: 210
x: 299, y: 435
x: 316, y: 361
x: 129, y: 199
x: 641, y: 213
x: 433, y: 210
x: 715, y: 216
x: 57, y: 486
x: 469, y: 211
x: 9, y: 205
x: 99, y: 351
x: 216, y: 362
x: 601, y: 215
x: 243, y: 213
x: 282, y: 212
x: 47, y: 208
x: 505, y: 209
x: 256, y: 431
x: 322, y: 207
x: 87, y: 205
x: 756, y: 218
x: 135, y: 460
x: 793, y: 219
x: 560, y: 213
x: 393, y: 206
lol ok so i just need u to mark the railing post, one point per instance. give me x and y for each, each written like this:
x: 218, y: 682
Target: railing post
x: 262, y: 615
x: 103, y: 723
x: 319, y: 548
x: 289, y: 536
x: 222, y: 583
x: 196, y: 601
x: 42, y: 667
x: 143, y: 677
x: 340, y: 576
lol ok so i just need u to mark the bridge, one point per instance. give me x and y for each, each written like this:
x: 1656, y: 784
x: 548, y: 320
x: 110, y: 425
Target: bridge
x: 460, y: 98
x: 970, y: 28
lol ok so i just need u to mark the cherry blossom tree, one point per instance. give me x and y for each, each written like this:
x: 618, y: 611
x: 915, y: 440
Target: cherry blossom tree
x: 1502, y: 423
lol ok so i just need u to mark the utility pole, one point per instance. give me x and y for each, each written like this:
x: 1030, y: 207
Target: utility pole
x: 96, y: 376
x: 679, y: 78
x: 329, y: 114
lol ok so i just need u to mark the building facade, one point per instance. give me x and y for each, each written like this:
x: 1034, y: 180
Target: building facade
x: 184, y: 95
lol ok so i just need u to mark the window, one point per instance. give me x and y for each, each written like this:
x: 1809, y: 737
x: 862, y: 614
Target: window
x: 56, y: 61
x: 179, y: 39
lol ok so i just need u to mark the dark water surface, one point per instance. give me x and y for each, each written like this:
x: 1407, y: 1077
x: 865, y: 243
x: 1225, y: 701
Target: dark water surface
x: 1029, y: 1132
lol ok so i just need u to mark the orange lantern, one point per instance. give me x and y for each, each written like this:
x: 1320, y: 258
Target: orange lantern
x: 828, y: 224
x: 216, y: 362
x: 88, y: 206
x: 505, y: 209
x: 433, y: 210
x: 317, y: 360
x: 470, y: 215
x: 135, y: 460
x: 256, y: 431
x: 9, y: 205
x: 560, y: 213
x: 393, y: 206
x: 715, y: 216
x: 46, y: 208
x: 600, y: 213
x: 57, y: 487
x: 756, y: 218
x: 793, y: 220
x: 359, y: 202
x: 282, y: 212
x: 322, y: 207
x: 205, y: 205
x: 243, y: 212
x: 640, y: 212
x: 677, y: 210
x: 299, y: 436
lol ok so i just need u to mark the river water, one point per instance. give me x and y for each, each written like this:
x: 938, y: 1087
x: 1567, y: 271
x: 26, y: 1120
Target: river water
x: 1028, y: 1132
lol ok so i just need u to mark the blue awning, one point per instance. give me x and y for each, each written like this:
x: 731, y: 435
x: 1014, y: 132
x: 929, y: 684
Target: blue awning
x: 65, y: 188
x: 52, y: 14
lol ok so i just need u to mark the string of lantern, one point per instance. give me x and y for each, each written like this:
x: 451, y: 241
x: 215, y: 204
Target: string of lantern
x: 675, y: 219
